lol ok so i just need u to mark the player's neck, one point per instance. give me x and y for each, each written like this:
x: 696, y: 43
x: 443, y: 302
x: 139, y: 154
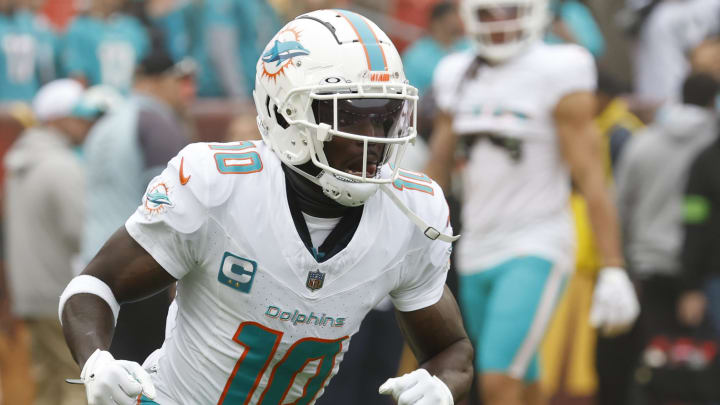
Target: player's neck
x: 310, y: 198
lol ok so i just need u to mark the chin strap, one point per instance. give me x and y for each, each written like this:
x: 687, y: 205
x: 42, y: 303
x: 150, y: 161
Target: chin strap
x: 302, y: 173
x: 426, y: 229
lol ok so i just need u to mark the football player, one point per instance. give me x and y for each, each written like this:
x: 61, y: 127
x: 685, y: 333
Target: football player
x: 524, y: 112
x: 279, y: 248
x: 22, y: 54
x: 104, y: 46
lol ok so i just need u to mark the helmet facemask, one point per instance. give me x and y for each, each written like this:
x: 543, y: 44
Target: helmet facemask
x: 356, y: 134
x: 502, y: 29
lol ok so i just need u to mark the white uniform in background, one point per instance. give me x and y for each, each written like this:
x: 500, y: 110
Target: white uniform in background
x: 515, y: 195
x: 518, y: 243
x: 258, y: 317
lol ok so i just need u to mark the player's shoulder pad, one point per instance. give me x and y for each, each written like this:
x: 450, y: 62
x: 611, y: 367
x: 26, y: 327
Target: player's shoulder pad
x: 207, y: 169
x: 424, y: 197
x: 565, y: 61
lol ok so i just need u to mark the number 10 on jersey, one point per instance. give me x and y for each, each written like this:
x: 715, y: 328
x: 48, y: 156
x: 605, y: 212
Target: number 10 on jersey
x: 260, y: 344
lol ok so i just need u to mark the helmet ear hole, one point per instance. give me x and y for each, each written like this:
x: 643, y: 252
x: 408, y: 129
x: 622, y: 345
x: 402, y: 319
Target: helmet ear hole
x: 280, y: 119
x: 267, y: 105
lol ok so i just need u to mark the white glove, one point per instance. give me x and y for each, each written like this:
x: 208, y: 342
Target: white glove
x: 615, y: 305
x: 417, y: 388
x: 114, y: 382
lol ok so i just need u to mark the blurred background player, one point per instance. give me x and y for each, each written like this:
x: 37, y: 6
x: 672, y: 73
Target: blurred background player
x: 524, y: 111
x: 104, y: 46
x: 28, y: 51
x: 29, y: 14
x: 136, y: 139
x: 225, y: 37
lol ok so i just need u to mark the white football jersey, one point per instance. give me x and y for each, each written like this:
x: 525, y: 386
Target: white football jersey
x: 259, y: 320
x: 516, y: 184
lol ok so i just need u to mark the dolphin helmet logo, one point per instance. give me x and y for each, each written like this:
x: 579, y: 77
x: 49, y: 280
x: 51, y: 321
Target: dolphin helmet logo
x: 282, y: 51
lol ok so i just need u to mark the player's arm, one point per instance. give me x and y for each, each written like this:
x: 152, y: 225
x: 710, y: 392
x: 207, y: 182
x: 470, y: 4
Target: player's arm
x: 581, y: 147
x: 615, y: 305
x: 130, y: 273
x: 439, y: 342
x: 442, y: 150
x: 121, y: 272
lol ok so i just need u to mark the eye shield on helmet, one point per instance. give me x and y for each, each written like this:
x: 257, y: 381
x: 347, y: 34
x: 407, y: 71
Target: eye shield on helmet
x: 374, y: 117
x: 381, y: 113
x: 381, y: 117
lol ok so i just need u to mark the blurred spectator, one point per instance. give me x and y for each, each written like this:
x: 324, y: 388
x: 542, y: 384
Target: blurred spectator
x: 668, y: 35
x: 16, y: 382
x: 226, y: 39
x: 104, y: 46
x: 444, y: 36
x: 123, y: 152
x: 44, y: 198
x: 651, y: 176
x: 650, y: 180
x: 700, y: 255
x: 26, y: 53
x: 573, y: 22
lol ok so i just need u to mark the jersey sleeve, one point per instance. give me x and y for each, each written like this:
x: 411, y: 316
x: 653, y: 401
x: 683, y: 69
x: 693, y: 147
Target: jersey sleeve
x: 171, y: 221
x: 572, y: 69
x: 425, y: 271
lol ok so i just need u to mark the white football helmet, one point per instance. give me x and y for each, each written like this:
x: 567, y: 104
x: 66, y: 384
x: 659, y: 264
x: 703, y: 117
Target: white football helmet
x: 326, y: 74
x: 501, y: 29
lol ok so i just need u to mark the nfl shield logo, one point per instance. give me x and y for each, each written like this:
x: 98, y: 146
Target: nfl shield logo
x: 315, y: 280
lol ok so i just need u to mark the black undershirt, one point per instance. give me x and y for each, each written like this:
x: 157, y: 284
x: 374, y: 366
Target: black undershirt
x: 304, y: 196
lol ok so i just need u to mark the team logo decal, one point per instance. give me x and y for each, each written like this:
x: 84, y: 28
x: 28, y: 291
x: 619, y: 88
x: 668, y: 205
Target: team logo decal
x: 315, y: 280
x: 279, y: 56
x: 237, y: 272
x: 157, y: 199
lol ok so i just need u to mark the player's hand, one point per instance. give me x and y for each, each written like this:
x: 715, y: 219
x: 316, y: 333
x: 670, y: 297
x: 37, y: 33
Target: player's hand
x: 417, y: 388
x: 114, y: 382
x: 614, y: 306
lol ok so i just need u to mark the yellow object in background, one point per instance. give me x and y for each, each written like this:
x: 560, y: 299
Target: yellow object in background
x: 568, y: 351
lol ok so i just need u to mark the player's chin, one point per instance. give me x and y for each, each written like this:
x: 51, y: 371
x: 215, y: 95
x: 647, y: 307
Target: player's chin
x: 370, y: 171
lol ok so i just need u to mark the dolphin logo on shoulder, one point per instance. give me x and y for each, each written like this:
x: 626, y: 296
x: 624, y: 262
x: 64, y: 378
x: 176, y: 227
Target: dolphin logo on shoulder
x: 282, y: 51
